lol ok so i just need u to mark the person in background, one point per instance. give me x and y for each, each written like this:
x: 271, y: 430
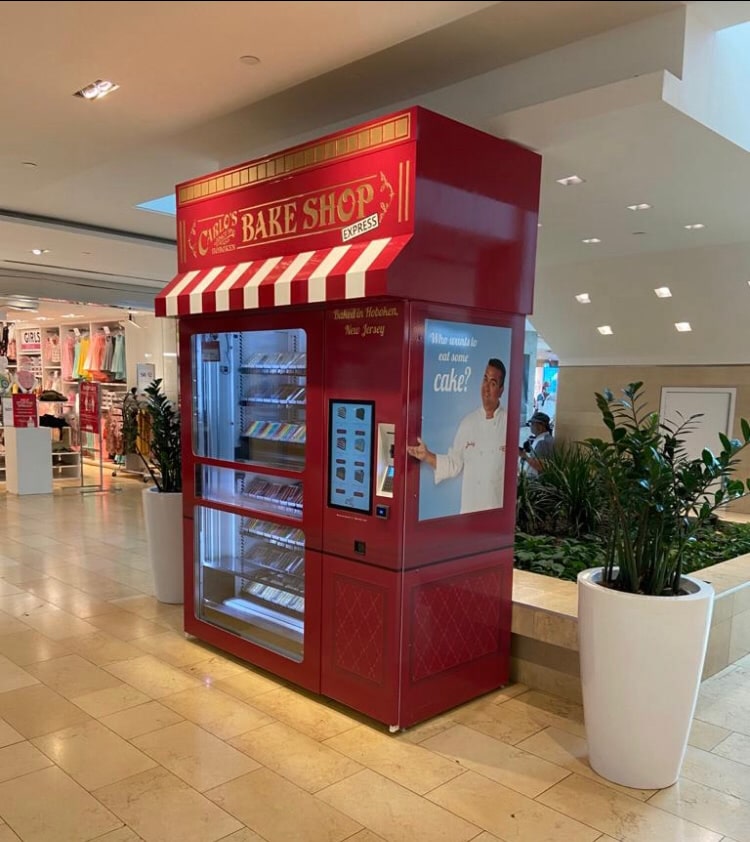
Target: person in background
x: 540, y: 447
x: 542, y: 396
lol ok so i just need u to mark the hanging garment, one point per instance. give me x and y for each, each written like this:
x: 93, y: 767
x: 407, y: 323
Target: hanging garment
x: 118, y: 361
x: 68, y: 355
x: 109, y: 353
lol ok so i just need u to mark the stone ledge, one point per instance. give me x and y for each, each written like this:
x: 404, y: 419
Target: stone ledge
x: 544, y: 644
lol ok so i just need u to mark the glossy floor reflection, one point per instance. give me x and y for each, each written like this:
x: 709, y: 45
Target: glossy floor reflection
x: 114, y: 727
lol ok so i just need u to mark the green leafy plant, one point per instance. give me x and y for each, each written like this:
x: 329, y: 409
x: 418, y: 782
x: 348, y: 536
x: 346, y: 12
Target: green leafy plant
x: 658, y: 499
x: 562, y: 558
x: 164, y: 462
x: 531, y: 512
x: 564, y: 500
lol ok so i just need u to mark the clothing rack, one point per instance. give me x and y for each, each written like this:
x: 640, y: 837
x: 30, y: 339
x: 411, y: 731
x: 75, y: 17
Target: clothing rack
x: 128, y: 457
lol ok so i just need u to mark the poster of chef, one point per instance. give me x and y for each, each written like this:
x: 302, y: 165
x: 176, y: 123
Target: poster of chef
x: 462, y: 444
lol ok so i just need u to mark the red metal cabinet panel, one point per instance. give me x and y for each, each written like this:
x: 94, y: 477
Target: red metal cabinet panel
x: 456, y: 633
x: 401, y: 647
x: 360, y: 637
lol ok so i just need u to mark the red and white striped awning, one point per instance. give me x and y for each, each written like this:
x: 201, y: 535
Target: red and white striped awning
x: 355, y: 270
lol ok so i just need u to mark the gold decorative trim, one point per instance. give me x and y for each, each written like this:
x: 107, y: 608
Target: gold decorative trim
x: 390, y: 131
x: 401, y: 171
x: 406, y: 191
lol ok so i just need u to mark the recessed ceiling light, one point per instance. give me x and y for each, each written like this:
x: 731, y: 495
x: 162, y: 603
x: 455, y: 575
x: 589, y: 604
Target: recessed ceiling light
x: 683, y: 327
x: 583, y: 298
x: 28, y: 164
x: 605, y: 330
x: 72, y: 316
x: 641, y: 206
x: 590, y: 240
x: 570, y: 180
x: 37, y: 252
x: 250, y: 60
x: 663, y: 292
x: 694, y: 227
x: 97, y: 90
x: 539, y: 225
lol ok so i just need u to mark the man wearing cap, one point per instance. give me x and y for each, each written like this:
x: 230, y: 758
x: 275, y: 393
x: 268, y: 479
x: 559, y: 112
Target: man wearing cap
x: 542, y: 446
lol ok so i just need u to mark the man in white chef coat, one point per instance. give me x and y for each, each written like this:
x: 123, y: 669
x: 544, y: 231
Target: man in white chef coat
x: 478, y: 449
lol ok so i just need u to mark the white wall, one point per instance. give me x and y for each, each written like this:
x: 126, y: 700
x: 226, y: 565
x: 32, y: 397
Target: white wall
x: 155, y: 341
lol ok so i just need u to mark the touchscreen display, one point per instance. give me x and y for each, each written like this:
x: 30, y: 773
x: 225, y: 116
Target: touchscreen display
x: 350, y: 455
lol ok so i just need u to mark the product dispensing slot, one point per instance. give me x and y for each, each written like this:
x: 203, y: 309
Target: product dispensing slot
x: 385, y: 465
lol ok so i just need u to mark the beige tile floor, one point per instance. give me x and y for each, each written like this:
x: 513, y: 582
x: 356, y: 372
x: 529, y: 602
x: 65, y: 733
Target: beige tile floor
x: 115, y: 728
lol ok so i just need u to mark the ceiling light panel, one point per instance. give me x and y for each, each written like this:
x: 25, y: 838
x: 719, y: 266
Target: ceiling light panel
x: 570, y: 180
x: 591, y: 240
x: 663, y: 292
x: 639, y: 207
x: 97, y: 90
x: 683, y: 327
x: 605, y: 330
x: 583, y: 298
x: 695, y: 226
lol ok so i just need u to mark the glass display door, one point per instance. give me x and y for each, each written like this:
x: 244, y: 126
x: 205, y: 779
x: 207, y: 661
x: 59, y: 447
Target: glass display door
x: 249, y: 435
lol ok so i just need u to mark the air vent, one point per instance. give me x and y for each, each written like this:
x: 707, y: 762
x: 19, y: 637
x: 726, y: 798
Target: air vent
x: 19, y: 302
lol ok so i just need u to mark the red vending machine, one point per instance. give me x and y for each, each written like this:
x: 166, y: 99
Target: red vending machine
x: 351, y: 349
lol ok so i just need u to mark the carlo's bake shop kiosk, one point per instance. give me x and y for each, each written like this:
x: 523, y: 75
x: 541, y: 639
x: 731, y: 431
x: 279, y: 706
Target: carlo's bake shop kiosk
x: 351, y: 320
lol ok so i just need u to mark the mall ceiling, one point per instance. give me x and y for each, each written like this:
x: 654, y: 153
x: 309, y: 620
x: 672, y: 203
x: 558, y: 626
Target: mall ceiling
x: 600, y: 89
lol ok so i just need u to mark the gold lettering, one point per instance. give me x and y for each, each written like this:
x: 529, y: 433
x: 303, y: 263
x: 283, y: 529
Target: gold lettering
x: 274, y: 226
x: 248, y: 228
x: 261, y: 232
x: 311, y: 214
x: 365, y: 194
x: 290, y: 223
x: 326, y: 210
x: 203, y: 242
x: 343, y: 214
x: 319, y: 211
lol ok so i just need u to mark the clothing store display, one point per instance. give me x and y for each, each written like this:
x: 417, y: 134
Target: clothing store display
x: 65, y: 356
x: 52, y: 349
x: 51, y: 395
x: 48, y: 420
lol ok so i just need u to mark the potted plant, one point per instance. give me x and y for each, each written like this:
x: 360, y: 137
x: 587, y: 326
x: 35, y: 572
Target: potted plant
x: 162, y: 503
x: 643, y: 626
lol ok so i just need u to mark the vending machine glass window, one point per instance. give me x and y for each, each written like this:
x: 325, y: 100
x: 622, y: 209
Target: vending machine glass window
x: 251, y: 579
x: 249, y: 397
x: 247, y: 490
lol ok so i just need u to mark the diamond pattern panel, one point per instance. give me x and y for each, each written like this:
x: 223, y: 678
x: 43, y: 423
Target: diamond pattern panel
x: 454, y: 621
x: 359, y: 627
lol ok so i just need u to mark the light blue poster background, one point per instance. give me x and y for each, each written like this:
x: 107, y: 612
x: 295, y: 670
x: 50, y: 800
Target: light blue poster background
x: 455, y: 357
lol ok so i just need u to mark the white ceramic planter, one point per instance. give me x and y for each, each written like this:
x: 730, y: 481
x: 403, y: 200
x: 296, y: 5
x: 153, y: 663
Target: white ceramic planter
x: 641, y: 664
x: 163, y: 516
